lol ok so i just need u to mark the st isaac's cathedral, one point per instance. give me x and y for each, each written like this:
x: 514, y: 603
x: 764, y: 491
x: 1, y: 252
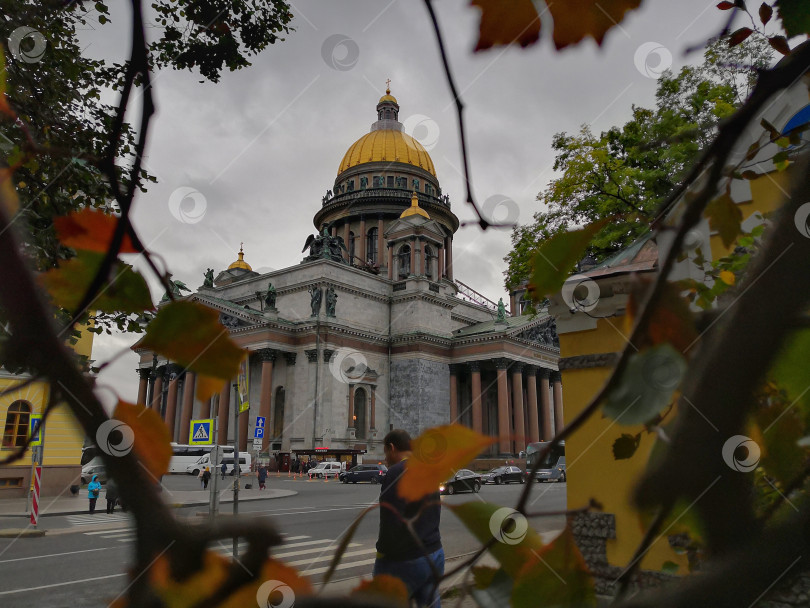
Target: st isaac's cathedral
x: 371, y: 331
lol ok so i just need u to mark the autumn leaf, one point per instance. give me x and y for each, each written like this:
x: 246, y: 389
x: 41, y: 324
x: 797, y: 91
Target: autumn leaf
x: 727, y: 277
x: 507, y: 23
x: 199, y: 586
x: 90, y: 229
x: 191, y: 334
x: 125, y: 291
x: 206, y: 387
x: 8, y: 194
x: 725, y: 6
x: 794, y: 16
x: 725, y: 217
x: 436, y: 455
x: 671, y: 321
x: 384, y: 587
x: 576, y: 19
x: 765, y: 13
x: 779, y: 44
x: 277, y: 585
x: 5, y: 108
x: 556, y: 257
x: 738, y: 36
x: 151, y: 436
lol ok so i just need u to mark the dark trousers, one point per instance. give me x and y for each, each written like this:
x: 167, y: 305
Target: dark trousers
x: 111, y: 505
x: 93, y: 505
x: 205, y: 484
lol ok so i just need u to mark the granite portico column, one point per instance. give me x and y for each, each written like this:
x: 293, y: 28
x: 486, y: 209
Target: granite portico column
x: 453, y: 393
x: 205, y: 408
x: 244, y: 420
x: 413, y: 257
x: 545, y: 404
x: 143, y: 384
x: 517, y: 406
x: 346, y: 240
x: 363, y: 259
x: 390, y: 261
x: 222, y: 414
x: 556, y: 379
x: 171, y: 402
x: 534, y: 425
x: 380, y: 239
x: 449, y: 248
x: 351, y: 407
x: 372, y: 410
x: 425, y: 261
x: 440, y: 264
x: 504, y: 430
x: 268, y: 357
x: 188, y: 407
x: 477, y: 415
x: 157, y: 389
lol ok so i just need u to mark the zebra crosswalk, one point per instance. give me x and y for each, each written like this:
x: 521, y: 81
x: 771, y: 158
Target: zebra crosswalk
x: 98, y: 518
x: 311, y: 556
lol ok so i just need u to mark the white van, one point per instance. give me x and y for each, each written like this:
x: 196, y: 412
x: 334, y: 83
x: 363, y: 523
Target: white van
x: 325, y: 469
x: 205, y: 460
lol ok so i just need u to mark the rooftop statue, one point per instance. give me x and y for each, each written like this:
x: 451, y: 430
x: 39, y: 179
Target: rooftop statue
x: 501, y: 312
x: 209, y: 278
x: 270, y: 296
x: 325, y: 246
x: 177, y: 287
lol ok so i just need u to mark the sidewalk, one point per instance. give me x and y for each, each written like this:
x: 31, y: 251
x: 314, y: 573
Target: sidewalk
x: 72, y: 505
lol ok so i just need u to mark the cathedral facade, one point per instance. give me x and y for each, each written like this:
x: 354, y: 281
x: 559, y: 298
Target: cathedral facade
x: 371, y: 331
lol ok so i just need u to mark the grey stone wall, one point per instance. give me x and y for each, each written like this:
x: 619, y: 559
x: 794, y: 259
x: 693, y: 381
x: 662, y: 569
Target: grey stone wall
x: 420, y: 394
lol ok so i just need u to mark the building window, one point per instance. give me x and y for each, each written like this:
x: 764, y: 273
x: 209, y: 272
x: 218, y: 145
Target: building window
x: 359, y: 422
x: 402, y: 182
x: 17, y: 420
x: 351, y: 247
x: 351, y: 185
x: 404, y: 261
x: 371, y: 246
x: 428, y: 189
x: 11, y: 482
x: 363, y: 182
x: 390, y: 180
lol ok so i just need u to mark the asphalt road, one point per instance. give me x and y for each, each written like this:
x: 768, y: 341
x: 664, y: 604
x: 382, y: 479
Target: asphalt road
x: 83, y: 564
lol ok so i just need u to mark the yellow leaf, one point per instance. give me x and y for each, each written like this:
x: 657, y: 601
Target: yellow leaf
x: 8, y: 194
x: 90, y: 229
x: 727, y: 277
x: 207, y: 387
x: 436, y: 455
x: 187, y: 593
x: 384, y: 587
x: 576, y: 19
x: 506, y: 23
x: 277, y: 585
x: 151, y: 436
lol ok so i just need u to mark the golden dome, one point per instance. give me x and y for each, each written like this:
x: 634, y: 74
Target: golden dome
x: 414, y: 209
x: 388, y: 97
x: 240, y: 263
x: 387, y: 145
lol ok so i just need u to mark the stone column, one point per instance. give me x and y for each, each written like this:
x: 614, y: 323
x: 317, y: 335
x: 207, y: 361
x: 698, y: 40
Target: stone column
x: 188, y: 407
x: 205, y: 408
x: 390, y: 261
x: 244, y: 420
x: 268, y: 356
x: 334, y: 230
x: 351, y: 406
x: 534, y: 425
x: 372, y: 414
x: 454, y: 393
x: 143, y: 384
x: 556, y: 379
x: 504, y: 430
x: 223, y: 414
x: 477, y: 416
x: 413, y: 256
x: 517, y: 407
x: 545, y: 404
x: 425, y: 261
x: 346, y: 239
x: 171, y: 403
x: 380, y: 240
x: 157, y: 389
x: 449, y: 249
x: 363, y: 239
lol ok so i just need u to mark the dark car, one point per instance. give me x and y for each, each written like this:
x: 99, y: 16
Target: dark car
x: 364, y: 472
x: 463, y: 481
x: 507, y: 474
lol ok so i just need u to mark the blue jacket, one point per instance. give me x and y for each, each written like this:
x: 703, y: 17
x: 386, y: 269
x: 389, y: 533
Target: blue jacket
x: 93, y: 488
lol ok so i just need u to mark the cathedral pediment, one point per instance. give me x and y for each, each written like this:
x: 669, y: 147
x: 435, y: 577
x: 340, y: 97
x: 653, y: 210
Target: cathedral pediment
x: 231, y: 315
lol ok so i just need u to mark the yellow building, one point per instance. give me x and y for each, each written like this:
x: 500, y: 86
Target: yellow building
x: 62, y: 436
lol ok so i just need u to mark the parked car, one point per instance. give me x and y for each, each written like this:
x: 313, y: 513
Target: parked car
x: 365, y: 472
x: 555, y: 473
x: 324, y: 470
x: 463, y: 481
x: 94, y: 469
x: 506, y: 474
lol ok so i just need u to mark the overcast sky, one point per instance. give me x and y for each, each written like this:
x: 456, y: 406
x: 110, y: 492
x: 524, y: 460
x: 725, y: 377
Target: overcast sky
x: 262, y: 146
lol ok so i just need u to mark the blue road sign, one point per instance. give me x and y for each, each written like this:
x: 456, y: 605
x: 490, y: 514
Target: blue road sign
x: 260, y: 421
x: 258, y: 433
x: 201, y: 432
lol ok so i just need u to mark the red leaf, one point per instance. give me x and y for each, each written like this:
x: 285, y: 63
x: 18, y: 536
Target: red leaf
x: 740, y: 35
x: 765, y: 13
x: 90, y: 229
x: 780, y: 44
x: 724, y: 6
x: 506, y: 23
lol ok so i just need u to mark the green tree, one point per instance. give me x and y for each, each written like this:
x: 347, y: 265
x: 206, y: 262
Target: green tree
x: 626, y: 172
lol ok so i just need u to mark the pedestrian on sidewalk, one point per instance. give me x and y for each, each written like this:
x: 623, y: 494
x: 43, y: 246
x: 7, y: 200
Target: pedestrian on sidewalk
x: 261, y: 473
x: 398, y: 552
x: 93, y: 490
x: 200, y: 477
x: 111, y: 495
x: 206, y: 477
x: 224, y: 469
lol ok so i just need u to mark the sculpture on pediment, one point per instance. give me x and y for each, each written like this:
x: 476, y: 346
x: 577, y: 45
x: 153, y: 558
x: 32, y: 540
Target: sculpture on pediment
x: 176, y: 289
x: 209, y: 278
x: 363, y: 182
x: 315, y: 300
x: 331, y: 301
x: 501, y: 312
x: 325, y: 246
x: 270, y: 296
x: 228, y: 321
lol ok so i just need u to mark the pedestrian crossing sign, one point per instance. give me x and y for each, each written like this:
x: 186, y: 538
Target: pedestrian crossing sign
x: 35, y: 421
x: 201, y: 432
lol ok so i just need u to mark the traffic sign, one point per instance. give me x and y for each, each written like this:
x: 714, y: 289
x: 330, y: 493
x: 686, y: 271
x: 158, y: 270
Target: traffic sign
x: 201, y: 432
x: 260, y: 421
x: 36, y: 429
x: 258, y: 432
x: 257, y: 443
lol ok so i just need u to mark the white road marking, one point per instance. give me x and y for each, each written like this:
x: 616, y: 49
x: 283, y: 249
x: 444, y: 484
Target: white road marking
x: 365, y: 562
x: 84, y: 580
x: 20, y: 559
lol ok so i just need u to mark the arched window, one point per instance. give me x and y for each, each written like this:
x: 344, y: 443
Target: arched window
x: 278, y: 414
x: 351, y: 247
x: 360, y: 414
x: 429, y: 258
x: 371, y: 246
x: 17, y: 420
x: 404, y: 261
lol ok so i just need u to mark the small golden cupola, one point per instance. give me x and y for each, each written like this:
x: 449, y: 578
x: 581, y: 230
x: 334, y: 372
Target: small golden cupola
x: 240, y: 263
x: 414, y: 209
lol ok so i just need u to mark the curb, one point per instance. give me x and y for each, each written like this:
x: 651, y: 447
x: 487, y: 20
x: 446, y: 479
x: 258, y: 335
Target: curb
x: 21, y: 533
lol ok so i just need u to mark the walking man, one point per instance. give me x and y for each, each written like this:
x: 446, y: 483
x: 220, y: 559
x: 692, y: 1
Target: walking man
x: 111, y: 495
x: 206, y: 477
x: 93, y: 490
x: 261, y: 473
x: 224, y: 469
x: 398, y: 553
